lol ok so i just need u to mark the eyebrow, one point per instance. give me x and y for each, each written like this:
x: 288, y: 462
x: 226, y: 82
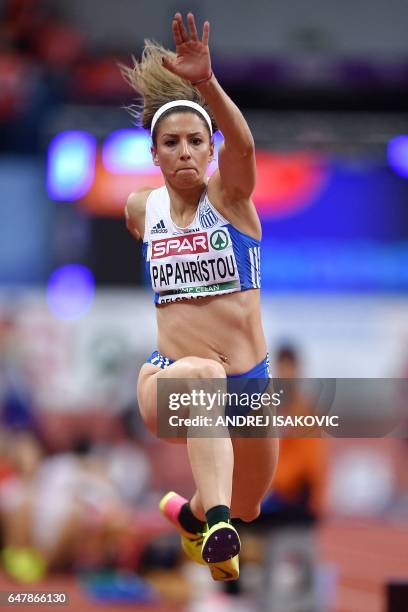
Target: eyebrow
x: 189, y: 134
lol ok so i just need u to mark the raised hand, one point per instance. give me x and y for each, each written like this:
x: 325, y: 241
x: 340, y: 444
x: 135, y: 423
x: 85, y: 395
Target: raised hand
x: 193, y: 61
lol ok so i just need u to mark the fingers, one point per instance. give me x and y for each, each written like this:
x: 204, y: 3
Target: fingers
x: 206, y: 33
x: 182, y: 35
x: 178, y: 39
x: 192, y: 26
x: 182, y: 28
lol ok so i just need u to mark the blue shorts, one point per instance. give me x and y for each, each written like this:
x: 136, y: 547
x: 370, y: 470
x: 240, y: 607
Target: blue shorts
x: 261, y: 370
x: 255, y: 381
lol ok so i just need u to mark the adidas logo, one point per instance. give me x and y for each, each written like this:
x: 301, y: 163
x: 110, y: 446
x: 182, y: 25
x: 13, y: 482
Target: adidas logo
x: 159, y: 228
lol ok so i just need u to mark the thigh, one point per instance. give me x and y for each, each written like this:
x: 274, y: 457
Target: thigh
x: 187, y: 367
x: 255, y: 461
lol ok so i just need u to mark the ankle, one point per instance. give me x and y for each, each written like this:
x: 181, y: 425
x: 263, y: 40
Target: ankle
x: 217, y: 514
x: 189, y: 521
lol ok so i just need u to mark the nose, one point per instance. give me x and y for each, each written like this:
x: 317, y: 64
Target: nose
x: 185, y: 151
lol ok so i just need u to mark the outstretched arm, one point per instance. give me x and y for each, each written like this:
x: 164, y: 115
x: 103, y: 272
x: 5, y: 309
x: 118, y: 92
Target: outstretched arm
x: 236, y: 157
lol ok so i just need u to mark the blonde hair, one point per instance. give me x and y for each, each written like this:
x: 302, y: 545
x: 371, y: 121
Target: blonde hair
x: 156, y: 85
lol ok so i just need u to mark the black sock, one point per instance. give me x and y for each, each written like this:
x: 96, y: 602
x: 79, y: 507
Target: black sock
x: 217, y: 514
x: 188, y: 521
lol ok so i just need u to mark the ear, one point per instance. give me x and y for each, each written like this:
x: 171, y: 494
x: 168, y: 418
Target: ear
x: 155, y: 157
x: 211, y: 152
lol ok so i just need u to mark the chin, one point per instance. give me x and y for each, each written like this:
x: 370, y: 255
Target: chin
x: 189, y: 181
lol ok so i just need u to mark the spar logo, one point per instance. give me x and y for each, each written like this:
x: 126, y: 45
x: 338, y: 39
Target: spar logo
x: 219, y: 240
x: 180, y: 245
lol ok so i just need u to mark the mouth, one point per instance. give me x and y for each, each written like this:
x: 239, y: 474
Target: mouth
x: 183, y: 169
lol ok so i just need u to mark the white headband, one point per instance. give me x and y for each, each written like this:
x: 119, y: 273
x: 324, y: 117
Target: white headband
x: 168, y: 105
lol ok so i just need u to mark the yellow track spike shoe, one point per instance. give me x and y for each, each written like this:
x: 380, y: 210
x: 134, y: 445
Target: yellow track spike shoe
x: 220, y: 551
x: 191, y: 543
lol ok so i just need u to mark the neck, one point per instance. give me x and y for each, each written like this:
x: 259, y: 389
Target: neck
x: 183, y: 203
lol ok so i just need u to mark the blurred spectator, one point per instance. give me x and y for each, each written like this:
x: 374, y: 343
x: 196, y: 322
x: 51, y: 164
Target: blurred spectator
x: 126, y: 462
x: 35, y: 29
x: 15, y: 84
x: 24, y: 98
x: 37, y: 52
x: 72, y: 509
x: 299, y: 480
x: 97, y: 78
x: 21, y: 559
x: 294, y: 506
x: 16, y: 404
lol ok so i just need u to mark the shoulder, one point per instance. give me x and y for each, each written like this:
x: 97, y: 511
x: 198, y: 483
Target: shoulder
x: 238, y: 211
x: 136, y: 202
x: 135, y: 211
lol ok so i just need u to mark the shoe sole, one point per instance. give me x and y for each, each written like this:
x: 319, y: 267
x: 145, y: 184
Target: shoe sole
x: 225, y: 570
x: 221, y: 545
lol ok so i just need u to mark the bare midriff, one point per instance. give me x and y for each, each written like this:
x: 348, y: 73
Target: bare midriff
x: 226, y: 328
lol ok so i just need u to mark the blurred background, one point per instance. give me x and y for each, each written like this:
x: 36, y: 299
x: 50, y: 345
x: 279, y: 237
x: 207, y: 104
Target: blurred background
x: 324, y: 90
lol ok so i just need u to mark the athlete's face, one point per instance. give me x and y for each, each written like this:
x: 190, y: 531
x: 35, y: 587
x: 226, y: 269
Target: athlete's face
x: 183, y: 149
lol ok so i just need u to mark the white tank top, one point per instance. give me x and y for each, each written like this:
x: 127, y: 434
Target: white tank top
x: 209, y: 257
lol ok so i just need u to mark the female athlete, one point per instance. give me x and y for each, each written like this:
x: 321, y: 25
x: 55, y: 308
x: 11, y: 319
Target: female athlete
x: 201, y: 241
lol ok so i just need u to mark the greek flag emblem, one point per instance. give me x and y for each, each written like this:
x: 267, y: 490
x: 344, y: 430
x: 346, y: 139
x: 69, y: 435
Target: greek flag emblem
x: 207, y: 217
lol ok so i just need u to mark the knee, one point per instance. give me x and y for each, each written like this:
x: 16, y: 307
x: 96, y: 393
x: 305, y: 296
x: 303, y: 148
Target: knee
x: 247, y: 514
x: 205, y: 368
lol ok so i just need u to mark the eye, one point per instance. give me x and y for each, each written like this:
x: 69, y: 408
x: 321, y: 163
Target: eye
x: 197, y: 140
x: 169, y: 143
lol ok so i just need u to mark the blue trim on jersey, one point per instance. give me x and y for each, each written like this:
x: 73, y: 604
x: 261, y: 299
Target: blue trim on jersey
x: 147, y: 263
x: 147, y: 271
x: 247, y: 256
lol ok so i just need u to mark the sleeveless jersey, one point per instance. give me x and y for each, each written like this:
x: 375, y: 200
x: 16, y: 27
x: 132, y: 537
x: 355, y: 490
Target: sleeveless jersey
x: 209, y: 257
